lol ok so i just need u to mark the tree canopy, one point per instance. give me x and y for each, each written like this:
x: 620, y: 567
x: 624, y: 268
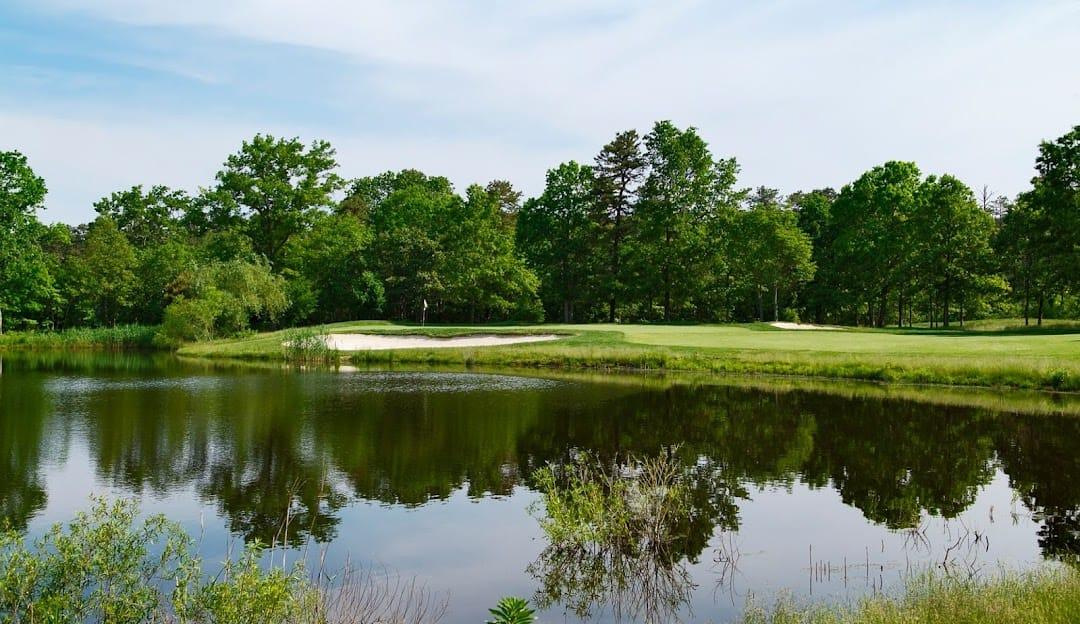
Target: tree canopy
x: 654, y: 228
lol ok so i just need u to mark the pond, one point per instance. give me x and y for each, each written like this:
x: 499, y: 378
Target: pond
x: 822, y: 492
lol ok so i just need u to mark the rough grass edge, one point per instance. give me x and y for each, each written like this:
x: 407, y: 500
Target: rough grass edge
x: 1045, y: 595
x: 120, y: 337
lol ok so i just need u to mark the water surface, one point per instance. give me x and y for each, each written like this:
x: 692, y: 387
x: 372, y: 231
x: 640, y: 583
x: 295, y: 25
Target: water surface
x: 431, y: 474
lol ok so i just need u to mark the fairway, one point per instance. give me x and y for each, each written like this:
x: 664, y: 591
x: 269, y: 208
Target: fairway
x: 898, y: 342
x: 1034, y: 358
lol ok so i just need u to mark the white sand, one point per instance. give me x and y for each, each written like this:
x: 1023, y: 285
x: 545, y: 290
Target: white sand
x: 374, y: 342
x: 787, y: 325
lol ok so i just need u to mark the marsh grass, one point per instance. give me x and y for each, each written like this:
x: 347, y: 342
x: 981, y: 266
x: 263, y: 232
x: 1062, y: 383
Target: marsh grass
x: 1045, y: 596
x: 120, y: 337
x: 308, y: 345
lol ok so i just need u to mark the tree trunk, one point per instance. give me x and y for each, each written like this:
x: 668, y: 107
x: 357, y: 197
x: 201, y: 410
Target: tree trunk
x: 775, y: 303
x: 900, y: 310
x: 1042, y: 297
x: 1027, y: 298
x: 945, y: 306
x: 667, y: 278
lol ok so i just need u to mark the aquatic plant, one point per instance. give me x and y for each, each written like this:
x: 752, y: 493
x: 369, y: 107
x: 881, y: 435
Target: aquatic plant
x: 305, y: 345
x: 512, y: 610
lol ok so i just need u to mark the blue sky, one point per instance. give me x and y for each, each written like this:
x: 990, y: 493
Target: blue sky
x: 105, y: 94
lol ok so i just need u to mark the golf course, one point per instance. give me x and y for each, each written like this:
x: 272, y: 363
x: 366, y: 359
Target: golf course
x: 993, y: 353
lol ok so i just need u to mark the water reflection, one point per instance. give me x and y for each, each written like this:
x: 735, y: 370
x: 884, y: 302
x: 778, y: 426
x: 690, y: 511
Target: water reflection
x: 266, y: 445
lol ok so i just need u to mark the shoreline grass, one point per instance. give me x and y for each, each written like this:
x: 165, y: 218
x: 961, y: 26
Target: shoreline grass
x: 1033, y: 360
x: 116, y: 338
x: 1047, y: 595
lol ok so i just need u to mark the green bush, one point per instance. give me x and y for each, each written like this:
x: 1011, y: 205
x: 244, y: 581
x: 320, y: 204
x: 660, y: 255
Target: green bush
x: 106, y: 566
x: 222, y: 300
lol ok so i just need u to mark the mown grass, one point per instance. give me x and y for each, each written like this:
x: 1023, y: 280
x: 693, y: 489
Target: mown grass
x: 1048, y: 360
x: 106, y: 338
x: 1046, y: 596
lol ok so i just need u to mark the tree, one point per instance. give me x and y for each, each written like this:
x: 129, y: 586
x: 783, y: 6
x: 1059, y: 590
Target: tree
x: 146, y: 218
x: 274, y: 187
x: 485, y: 278
x: 619, y: 168
x: 679, y: 201
x: 508, y: 200
x: 772, y: 252
x: 1055, y: 196
x: 952, y: 240
x: 554, y: 232
x: 25, y: 282
x: 158, y: 267
x: 223, y: 299
x: 871, y: 252
x: 814, y: 210
x: 1018, y: 245
x: 333, y: 257
x: 106, y: 271
x: 407, y: 212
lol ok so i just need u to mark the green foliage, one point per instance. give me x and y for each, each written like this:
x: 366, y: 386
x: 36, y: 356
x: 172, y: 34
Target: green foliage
x: 556, y: 234
x: 274, y: 187
x: 684, y: 202
x: 616, y: 534
x: 146, y: 218
x: 104, y: 566
x: 108, y: 338
x: 25, y: 283
x: 770, y: 253
x: 332, y: 258
x: 657, y: 229
x: 430, y: 244
x: 243, y: 592
x: 512, y: 610
x: 222, y: 299
x: 872, y: 240
x: 107, y: 566
x: 105, y: 272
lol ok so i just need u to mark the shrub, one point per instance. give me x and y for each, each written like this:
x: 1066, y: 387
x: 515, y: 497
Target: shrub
x: 223, y: 300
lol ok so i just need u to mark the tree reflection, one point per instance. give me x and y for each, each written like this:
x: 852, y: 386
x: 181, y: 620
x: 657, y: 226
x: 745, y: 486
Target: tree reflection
x: 266, y: 446
x: 1040, y: 456
x: 24, y: 418
x: 614, y: 537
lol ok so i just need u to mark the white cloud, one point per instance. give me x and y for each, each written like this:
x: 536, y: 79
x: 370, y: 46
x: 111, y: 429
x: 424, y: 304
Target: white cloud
x: 803, y: 95
x: 85, y: 159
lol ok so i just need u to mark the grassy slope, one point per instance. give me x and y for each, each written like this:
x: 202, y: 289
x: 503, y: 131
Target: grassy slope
x: 1047, y: 359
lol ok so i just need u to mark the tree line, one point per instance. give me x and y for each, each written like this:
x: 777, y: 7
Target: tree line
x: 655, y: 228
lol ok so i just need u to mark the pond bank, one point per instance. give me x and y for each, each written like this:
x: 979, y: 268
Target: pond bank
x: 1046, y: 360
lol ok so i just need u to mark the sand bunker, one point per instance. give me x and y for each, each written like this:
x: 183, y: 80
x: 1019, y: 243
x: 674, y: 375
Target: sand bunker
x: 374, y: 342
x: 787, y: 325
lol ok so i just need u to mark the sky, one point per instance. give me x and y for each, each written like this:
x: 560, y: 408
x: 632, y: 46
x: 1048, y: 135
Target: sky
x: 104, y: 94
